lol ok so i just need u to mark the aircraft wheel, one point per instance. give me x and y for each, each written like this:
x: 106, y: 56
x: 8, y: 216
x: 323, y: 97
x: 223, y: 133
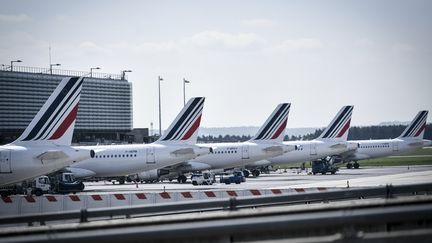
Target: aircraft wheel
x: 182, y: 179
x: 349, y: 165
x: 356, y: 165
x: 246, y: 173
x: 38, y: 192
x: 256, y: 173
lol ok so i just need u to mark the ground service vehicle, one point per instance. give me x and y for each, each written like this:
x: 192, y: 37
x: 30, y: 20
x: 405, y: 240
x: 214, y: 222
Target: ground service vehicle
x: 237, y: 177
x: 205, y: 178
x: 323, y: 166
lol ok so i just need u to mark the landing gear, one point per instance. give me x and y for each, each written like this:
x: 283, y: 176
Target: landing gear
x: 182, y: 179
x: 256, y: 173
x: 246, y: 173
x: 354, y: 165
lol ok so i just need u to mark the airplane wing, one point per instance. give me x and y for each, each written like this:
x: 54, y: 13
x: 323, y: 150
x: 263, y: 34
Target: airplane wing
x: 273, y: 148
x: 183, y: 151
x: 52, y: 155
x: 338, y: 146
x: 416, y: 143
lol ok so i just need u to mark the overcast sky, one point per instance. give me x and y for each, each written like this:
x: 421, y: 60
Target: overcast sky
x: 245, y: 57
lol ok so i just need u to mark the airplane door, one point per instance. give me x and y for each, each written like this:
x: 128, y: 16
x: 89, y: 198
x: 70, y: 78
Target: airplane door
x: 245, y: 152
x: 313, y: 150
x: 5, y: 161
x: 395, y: 146
x: 150, y: 155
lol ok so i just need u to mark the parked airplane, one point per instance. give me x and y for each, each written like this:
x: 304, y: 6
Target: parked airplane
x: 265, y: 144
x: 175, y: 146
x: 332, y: 141
x: 44, y: 146
x: 410, y: 139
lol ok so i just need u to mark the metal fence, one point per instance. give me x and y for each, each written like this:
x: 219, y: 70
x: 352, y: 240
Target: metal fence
x: 63, y: 72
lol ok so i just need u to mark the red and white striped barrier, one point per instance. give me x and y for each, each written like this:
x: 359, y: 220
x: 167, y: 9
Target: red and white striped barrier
x: 52, y: 203
x: 142, y: 198
x: 16, y: 205
x: 9, y: 205
x: 97, y: 201
x: 30, y: 204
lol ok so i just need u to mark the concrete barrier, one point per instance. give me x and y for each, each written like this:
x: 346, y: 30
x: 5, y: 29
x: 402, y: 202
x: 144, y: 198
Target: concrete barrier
x: 204, y: 195
x: 97, y: 201
x: 119, y: 199
x: 9, y: 205
x: 16, y: 205
x: 30, y: 204
x: 163, y: 197
x: 74, y: 202
x: 51, y: 203
x: 142, y: 198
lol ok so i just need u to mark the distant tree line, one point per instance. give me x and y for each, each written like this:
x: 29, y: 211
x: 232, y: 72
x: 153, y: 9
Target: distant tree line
x: 355, y: 133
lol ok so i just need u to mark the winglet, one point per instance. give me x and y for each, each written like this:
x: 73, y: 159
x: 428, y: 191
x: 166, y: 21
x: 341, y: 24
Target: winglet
x: 417, y: 126
x: 184, y: 128
x: 339, y: 127
x: 55, y: 121
x: 274, y: 128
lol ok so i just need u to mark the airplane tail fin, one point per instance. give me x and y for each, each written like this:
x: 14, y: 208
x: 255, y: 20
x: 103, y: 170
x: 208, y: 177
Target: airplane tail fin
x: 417, y: 126
x: 185, y: 127
x: 55, y: 121
x: 339, y: 126
x: 274, y: 128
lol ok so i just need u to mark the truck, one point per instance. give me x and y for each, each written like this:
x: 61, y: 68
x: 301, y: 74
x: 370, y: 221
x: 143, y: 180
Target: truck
x: 205, y: 178
x: 236, y: 177
x: 323, y: 166
x: 66, y: 183
x: 57, y: 183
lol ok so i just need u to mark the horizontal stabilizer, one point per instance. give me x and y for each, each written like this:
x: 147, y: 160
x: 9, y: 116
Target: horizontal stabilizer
x: 183, y: 151
x: 52, y: 155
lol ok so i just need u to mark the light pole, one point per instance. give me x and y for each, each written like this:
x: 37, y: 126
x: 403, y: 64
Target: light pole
x: 123, y: 73
x: 12, y: 64
x: 51, y: 65
x: 91, y: 70
x: 160, y: 122
x: 184, y: 90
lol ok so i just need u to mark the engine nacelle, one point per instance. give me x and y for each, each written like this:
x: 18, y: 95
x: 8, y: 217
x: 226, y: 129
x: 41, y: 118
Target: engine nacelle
x: 152, y: 175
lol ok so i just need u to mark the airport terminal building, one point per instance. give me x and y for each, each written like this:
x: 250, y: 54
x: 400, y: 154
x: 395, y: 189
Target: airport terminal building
x: 105, y: 110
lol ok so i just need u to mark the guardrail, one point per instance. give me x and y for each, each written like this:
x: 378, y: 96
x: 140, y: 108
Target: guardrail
x: 403, y: 219
x: 85, y: 215
x: 64, y: 72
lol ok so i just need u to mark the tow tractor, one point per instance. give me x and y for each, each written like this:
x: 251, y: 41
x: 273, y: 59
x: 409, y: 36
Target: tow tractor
x: 323, y: 166
x: 58, y: 183
x: 205, y: 178
x: 237, y: 177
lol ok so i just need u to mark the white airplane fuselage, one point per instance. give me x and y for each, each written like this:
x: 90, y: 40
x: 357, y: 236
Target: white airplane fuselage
x: 307, y: 151
x: 121, y: 160
x: 368, y: 149
x: 20, y: 163
x: 230, y: 155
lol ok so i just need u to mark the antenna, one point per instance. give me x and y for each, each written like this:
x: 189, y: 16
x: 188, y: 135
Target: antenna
x: 49, y: 51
